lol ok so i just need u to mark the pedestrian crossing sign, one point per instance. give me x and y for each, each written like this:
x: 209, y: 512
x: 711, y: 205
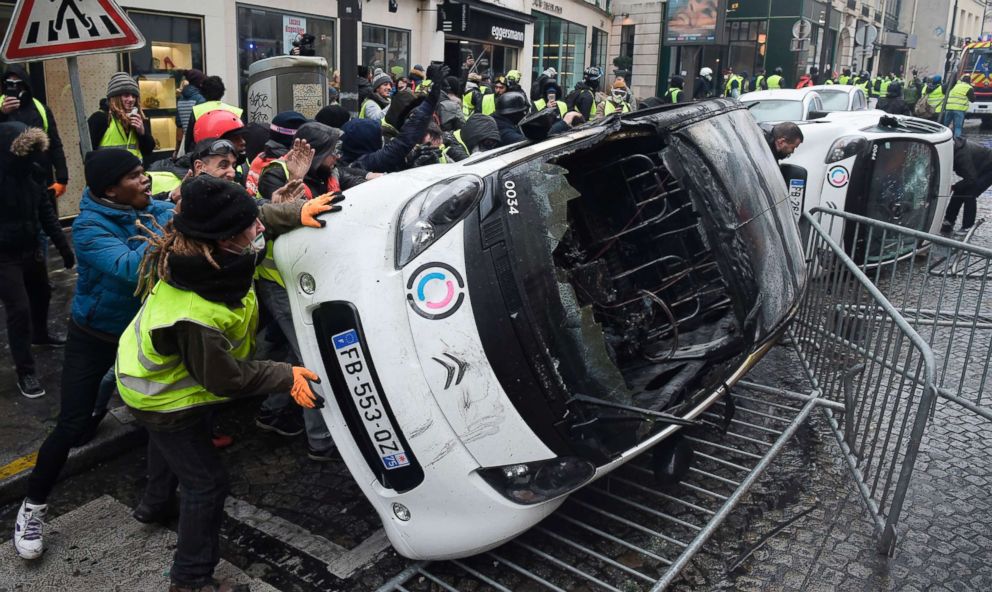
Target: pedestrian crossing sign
x: 45, y: 29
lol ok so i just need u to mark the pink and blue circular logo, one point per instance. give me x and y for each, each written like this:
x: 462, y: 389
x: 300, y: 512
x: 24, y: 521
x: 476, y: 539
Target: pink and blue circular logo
x: 435, y: 291
x: 838, y: 176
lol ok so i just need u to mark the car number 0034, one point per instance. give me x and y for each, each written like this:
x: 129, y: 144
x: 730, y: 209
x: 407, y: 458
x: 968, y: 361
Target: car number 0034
x: 511, y: 196
x: 367, y: 399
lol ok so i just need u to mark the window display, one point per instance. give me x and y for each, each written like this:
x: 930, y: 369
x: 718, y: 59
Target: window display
x: 559, y: 44
x: 175, y: 44
x: 266, y: 33
x: 386, y: 48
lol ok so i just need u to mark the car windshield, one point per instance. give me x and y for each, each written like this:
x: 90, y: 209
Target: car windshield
x: 902, y: 191
x: 775, y: 110
x: 834, y: 100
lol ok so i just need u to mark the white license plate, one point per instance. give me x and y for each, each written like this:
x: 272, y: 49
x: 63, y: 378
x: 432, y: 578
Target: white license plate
x: 368, y: 400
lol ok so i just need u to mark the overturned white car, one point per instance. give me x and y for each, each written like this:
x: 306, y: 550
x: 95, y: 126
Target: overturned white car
x: 499, y: 332
x: 891, y: 168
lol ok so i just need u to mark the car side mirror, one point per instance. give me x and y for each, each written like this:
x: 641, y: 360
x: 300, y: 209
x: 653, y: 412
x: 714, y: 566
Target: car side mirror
x: 817, y: 115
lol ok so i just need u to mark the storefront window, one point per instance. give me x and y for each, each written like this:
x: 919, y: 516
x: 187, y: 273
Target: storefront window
x: 559, y: 44
x: 745, y: 52
x: 175, y: 44
x: 599, y: 41
x: 267, y: 33
x: 386, y: 48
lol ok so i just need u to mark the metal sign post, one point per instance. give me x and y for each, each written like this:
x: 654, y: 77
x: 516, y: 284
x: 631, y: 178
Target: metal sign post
x: 47, y: 29
x: 85, y: 144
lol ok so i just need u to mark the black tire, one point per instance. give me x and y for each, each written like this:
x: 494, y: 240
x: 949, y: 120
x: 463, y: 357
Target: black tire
x: 987, y: 122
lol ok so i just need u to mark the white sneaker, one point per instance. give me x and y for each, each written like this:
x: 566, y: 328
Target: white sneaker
x: 28, y: 530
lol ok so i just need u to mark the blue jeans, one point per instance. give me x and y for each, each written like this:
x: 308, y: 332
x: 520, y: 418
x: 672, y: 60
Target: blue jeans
x: 276, y: 301
x: 187, y: 457
x: 955, y: 121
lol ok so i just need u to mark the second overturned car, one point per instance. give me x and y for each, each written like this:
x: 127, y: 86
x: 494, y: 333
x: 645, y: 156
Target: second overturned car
x: 497, y: 333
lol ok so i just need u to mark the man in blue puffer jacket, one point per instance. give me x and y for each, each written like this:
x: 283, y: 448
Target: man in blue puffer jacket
x: 118, y: 194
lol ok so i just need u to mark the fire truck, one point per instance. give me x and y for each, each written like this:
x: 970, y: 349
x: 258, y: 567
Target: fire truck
x: 976, y: 61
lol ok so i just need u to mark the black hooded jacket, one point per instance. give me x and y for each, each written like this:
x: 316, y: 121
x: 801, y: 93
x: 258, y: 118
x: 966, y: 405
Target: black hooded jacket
x: 509, y: 133
x: 323, y: 139
x: 27, y: 113
x: 23, y: 199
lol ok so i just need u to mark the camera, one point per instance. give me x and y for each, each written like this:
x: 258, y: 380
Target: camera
x: 304, y: 45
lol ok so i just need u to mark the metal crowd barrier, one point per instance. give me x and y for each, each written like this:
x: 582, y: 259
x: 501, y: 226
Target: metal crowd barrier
x: 872, y: 374
x: 859, y: 351
x: 942, y: 292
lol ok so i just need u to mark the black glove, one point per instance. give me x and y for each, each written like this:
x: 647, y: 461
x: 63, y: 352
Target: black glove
x: 436, y: 73
x: 68, y: 257
x: 423, y: 155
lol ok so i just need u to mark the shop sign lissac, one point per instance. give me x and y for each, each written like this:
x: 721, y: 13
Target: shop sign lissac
x: 46, y: 29
x: 461, y: 20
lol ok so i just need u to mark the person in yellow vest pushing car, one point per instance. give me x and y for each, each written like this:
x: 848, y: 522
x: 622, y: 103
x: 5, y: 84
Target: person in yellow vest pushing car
x: 189, y: 348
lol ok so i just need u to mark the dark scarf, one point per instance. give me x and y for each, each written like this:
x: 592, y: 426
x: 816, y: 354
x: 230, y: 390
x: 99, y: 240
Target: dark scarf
x: 227, y: 285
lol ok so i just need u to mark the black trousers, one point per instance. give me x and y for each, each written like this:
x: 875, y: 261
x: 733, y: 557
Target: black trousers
x: 25, y: 294
x: 967, y: 197
x: 970, y: 210
x: 87, y: 359
x: 188, y: 457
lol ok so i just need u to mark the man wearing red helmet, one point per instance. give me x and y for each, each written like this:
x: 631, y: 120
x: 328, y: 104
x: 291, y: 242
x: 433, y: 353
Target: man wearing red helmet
x: 224, y: 125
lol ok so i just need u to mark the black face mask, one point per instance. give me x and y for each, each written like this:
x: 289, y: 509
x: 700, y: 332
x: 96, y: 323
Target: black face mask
x: 323, y: 171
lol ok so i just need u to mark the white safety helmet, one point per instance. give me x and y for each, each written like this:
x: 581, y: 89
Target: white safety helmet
x: 706, y: 72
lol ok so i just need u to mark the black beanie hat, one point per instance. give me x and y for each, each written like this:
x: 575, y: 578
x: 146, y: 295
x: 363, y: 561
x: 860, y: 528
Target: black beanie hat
x: 333, y: 115
x: 105, y: 167
x: 214, y: 209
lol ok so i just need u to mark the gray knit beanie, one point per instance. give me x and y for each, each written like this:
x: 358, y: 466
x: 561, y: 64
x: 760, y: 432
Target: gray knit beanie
x: 121, y: 83
x: 380, y: 80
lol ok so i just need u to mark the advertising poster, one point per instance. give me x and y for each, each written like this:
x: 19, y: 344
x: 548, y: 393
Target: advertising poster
x: 694, y: 22
x: 291, y: 27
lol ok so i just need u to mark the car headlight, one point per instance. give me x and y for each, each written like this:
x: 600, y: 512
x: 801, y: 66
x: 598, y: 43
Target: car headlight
x: 433, y: 212
x: 845, y: 147
x: 540, y: 481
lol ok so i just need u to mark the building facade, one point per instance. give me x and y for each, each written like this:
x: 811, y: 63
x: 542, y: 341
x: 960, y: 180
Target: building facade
x: 224, y: 37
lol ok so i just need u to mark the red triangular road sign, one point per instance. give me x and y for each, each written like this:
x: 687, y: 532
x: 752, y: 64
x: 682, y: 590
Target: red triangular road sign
x: 45, y: 29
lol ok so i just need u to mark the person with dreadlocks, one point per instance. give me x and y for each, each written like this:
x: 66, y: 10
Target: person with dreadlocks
x: 190, y: 346
x: 116, y: 197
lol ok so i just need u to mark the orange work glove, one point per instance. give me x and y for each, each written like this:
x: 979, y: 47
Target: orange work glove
x: 319, y: 205
x: 301, y: 391
x: 58, y: 188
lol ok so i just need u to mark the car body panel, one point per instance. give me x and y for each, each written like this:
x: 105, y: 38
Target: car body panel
x: 426, y: 329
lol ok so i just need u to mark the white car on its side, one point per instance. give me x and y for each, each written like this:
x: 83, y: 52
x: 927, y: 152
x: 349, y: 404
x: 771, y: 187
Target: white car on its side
x: 783, y: 104
x: 894, y: 169
x: 841, y: 97
x: 496, y: 333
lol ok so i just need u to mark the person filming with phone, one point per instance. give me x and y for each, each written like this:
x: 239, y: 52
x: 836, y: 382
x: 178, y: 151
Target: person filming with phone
x: 122, y: 125
x: 20, y: 104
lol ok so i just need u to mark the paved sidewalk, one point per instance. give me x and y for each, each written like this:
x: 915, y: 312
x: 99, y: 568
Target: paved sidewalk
x: 25, y: 423
x: 99, y: 546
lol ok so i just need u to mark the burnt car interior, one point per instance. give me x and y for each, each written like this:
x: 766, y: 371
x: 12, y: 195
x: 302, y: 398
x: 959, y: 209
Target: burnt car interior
x: 635, y: 255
